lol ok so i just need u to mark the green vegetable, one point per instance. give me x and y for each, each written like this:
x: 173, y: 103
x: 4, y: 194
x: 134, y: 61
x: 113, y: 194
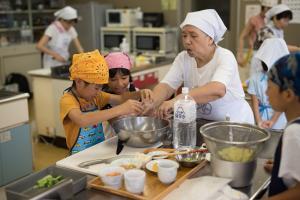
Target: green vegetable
x: 48, y: 181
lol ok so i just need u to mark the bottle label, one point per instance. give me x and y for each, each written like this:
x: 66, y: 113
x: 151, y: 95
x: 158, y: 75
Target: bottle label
x: 185, y: 111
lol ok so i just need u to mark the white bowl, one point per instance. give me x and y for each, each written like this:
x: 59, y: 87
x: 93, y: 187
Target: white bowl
x: 112, y: 176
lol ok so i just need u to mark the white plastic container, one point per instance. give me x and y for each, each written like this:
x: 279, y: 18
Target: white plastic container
x: 135, y: 180
x: 184, y: 124
x: 112, y: 176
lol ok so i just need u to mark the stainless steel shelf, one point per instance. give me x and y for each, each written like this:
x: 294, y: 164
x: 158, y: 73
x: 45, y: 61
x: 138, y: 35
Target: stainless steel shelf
x: 5, y: 12
x: 9, y: 29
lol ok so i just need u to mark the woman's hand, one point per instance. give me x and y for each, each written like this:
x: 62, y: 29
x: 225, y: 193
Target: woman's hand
x: 165, y: 109
x: 131, y: 107
x: 146, y: 95
x: 269, y: 166
x: 58, y: 57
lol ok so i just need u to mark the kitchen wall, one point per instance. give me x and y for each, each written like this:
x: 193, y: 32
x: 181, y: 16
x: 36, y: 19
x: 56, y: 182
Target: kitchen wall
x: 175, y: 17
x: 291, y: 33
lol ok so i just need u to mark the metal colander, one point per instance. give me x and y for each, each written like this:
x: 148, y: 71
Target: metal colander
x: 235, y: 142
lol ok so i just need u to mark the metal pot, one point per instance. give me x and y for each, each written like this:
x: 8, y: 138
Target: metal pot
x: 241, y: 174
x: 141, y: 131
x: 234, y: 148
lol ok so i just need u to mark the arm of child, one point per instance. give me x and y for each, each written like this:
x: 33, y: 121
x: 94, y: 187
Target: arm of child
x: 130, y: 107
x: 290, y: 194
x: 270, y: 123
x: 255, y: 107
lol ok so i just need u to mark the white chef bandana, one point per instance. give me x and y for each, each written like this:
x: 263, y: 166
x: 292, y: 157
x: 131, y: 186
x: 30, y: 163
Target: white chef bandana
x: 275, y: 11
x: 66, y: 13
x: 207, y: 21
x: 271, y: 50
x: 269, y: 3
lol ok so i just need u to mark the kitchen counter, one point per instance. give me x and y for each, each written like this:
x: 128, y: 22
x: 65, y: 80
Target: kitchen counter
x: 46, y: 72
x: 6, y: 96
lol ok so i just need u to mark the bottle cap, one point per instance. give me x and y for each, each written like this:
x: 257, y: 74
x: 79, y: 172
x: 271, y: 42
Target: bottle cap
x: 185, y: 90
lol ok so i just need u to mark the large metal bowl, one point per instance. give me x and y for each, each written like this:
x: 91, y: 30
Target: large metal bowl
x: 141, y: 131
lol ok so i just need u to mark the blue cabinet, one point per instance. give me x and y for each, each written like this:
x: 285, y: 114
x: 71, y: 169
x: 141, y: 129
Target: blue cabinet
x: 15, y: 153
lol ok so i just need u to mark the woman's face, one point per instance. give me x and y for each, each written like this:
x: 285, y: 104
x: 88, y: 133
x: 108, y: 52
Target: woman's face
x: 196, y: 42
x: 119, y: 83
x: 67, y: 24
x: 281, y: 23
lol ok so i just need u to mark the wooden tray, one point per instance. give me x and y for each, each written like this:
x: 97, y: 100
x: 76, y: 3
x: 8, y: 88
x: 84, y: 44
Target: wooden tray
x: 154, y: 189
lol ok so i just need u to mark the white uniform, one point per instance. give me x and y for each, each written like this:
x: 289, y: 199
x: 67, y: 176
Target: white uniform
x: 289, y: 168
x: 59, y: 42
x: 222, y: 68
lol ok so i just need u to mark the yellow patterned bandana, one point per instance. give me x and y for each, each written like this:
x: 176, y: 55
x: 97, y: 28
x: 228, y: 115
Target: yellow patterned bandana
x: 90, y: 67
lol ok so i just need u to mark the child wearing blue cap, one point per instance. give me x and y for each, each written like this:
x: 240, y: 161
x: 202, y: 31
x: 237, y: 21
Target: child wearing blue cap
x: 284, y: 96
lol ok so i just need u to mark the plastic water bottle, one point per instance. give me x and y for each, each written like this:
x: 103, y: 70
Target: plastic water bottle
x: 184, y: 124
x: 124, y: 46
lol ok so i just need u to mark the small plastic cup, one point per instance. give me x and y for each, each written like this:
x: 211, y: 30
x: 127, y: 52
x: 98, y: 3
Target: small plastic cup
x: 112, y: 176
x: 167, y: 171
x: 135, y: 180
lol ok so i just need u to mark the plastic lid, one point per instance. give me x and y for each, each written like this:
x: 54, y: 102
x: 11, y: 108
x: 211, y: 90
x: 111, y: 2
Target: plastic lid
x: 185, y: 90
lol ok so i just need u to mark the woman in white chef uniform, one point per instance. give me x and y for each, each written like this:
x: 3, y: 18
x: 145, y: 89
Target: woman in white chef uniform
x: 57, y: 38
x: 210, y: 72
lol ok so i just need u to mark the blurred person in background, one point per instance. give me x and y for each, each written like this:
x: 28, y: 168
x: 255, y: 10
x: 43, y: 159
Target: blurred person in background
x: 57, y: 38
x: 254, y: 24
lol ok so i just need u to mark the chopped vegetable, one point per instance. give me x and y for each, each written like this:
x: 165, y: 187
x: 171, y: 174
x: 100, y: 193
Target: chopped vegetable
x: 48, y: 181
x: 188, y: 159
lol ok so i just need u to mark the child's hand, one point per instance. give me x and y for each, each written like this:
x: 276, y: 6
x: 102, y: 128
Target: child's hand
x: 146, y: 95
x: 269, y: 166
x: 131, y: 107
x: 267, y: 124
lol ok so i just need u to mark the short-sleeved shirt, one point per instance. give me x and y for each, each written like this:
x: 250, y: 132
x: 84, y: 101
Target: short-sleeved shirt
x: 69, y: 102
x: 289, y: 168
x: 59, y: 42
x: 258, y: 84
x: 221, y: 68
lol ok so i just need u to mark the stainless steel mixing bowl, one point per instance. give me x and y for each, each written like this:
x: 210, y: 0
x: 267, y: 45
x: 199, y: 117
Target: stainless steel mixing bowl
x: 141, y: 131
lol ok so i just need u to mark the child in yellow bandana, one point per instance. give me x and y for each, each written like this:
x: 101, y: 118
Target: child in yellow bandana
x: 80, y: 106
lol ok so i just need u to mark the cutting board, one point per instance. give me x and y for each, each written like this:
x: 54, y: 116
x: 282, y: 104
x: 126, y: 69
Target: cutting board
x: 102, y: 150
x: 154, y: 189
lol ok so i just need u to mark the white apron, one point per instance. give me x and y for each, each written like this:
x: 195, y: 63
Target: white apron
x: 60, y: 45
x: 237, y: 109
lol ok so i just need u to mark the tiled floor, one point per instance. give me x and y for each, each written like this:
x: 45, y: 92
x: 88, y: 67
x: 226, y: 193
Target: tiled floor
x: 45, y: 155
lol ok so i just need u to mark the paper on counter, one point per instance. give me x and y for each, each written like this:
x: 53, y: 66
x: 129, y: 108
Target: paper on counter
x: 206, y: 188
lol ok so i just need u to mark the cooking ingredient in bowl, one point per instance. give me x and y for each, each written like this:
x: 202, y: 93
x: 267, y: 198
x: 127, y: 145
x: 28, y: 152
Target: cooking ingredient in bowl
x: 188, y: 159
x: 236, y: 154
x: 155, y: 167
x: 113, y: 174
x: 128, y: 166
x: 48, y: 181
